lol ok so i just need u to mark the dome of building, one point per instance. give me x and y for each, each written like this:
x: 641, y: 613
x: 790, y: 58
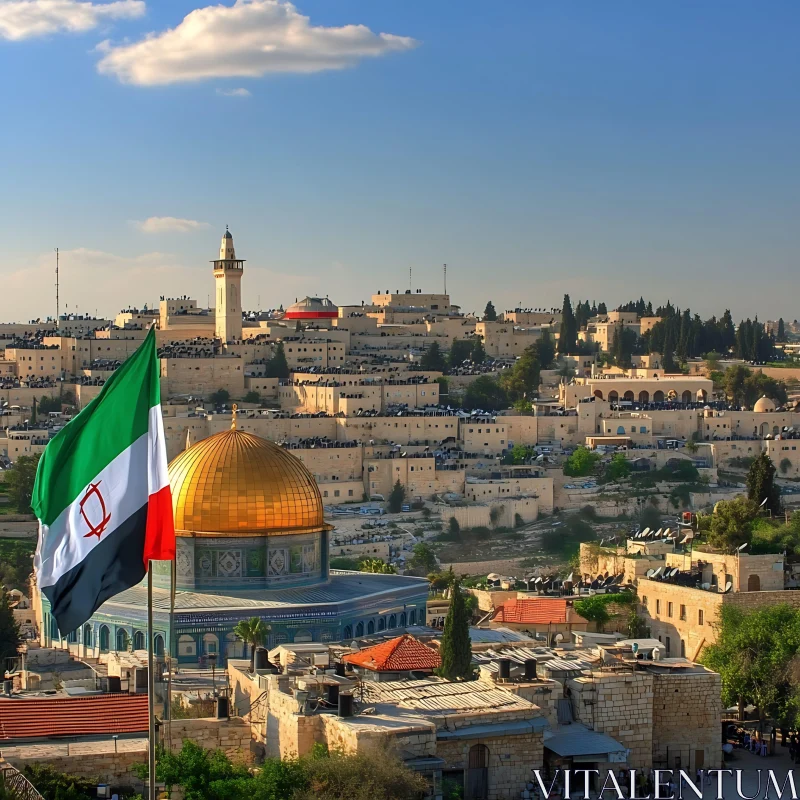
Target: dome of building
x: 312, y: 308
x: 240, y: 484
x: 763, y: 404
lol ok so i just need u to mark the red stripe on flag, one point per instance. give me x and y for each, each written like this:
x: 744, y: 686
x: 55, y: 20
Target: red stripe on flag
x: 159, y: 541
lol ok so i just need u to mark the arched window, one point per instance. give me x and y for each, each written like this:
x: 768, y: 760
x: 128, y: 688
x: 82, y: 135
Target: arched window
x: 403, y: 622
x: 613, y: 397
x: 644, y: 397
x: 393, y: 621
x: 303, y: 636
x: 412, y: 617
x: 359, y: 629
x: 754, y: 584
x: 658, y: 397
x: 87, y: 635
x: 686, y: 397
x: 158, y: 645
x: 347, y: 633
x: 55, y: 634
x: 122, y: 639
x: 621, y: 430
x: 628, y: 396
x: 370, y: 627
x: 187, y: 646
x: 72, y: 637
x: 234, y: 646
x: 382, y: 624
x: 105, y: 638
x: 138, y: 640
x: 210, y: 644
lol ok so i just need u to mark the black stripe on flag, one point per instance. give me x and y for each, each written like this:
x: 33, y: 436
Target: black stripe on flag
x: 113, y: 566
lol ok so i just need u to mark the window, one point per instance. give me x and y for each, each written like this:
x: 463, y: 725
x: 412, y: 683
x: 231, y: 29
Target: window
x: 669, y: 609
x: 700, y: 617
x: 667, y: 645
x: 683, y: 612
x: 644, y: 601
x: 658, y: 606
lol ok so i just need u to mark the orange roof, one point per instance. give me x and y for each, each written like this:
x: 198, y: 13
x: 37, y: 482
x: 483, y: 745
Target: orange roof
x: 537, y: 611
x: 23, y: 718
x: 402, y: 653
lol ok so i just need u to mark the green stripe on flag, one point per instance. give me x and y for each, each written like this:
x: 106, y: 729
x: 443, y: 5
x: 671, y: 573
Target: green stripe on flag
x: 105, y: 428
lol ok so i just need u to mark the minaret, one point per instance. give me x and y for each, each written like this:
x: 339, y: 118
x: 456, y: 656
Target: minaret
x: 228, y: 275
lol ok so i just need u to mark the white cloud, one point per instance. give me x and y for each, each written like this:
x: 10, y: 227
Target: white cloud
x: 246, y: 40
x: 23, y: 19
x: 169, y: 225
x: 233, y: 92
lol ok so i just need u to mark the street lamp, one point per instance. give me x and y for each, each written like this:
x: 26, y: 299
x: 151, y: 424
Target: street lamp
x: 212, y: 657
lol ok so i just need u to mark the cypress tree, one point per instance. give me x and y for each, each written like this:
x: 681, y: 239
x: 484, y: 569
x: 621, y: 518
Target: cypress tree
x: 10, y: 638
x: 761, y: 484
x: 568, y: 338
x: 456, y: 645
x: 489, y: 313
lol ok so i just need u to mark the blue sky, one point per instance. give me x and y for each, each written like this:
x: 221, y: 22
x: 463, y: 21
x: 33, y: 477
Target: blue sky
x: 608, y: 150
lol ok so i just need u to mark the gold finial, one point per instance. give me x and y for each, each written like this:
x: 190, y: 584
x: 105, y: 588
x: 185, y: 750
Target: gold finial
x: 234, y: 409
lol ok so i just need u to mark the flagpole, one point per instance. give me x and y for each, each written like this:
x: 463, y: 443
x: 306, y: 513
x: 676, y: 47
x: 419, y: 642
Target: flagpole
x: 151, y: 685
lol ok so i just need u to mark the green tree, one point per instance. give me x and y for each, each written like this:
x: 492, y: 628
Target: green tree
x: 10, y: 638
x: 544, y: 350
x: 433, y: 359
x: 519, y: 454
x: 396, y: 497
x: 756, y: 655
x: 454, y: 529
x: 360, y: 776
x: 732, y: 523
x: 485, y: 393
x: 618, y: 468
x: 568, y: 335
x: 761, y: 487
x: 565, y: 371
x: 252, y: 397
x: 489, y: 314
x: 460, y: 351
x: 423, y: 559
x: 48, y: 404
x: 478, y: 354
x: 342, y: 562
x: 650, y: 517
x: 781, y: 334
x: 521, y: 382
x: 456, y: 648
x: 252, y: 632
x: 376, y: 565
x: 277, y: 366
x: 54, y: 785
x: 220, y: 397
x: 20, y: 482
x: 581, y: 463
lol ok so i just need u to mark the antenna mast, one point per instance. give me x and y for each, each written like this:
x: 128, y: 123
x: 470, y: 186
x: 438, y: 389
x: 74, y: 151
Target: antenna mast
x: 57, y: 305
x: 445, y: 278
x: 410, y: 287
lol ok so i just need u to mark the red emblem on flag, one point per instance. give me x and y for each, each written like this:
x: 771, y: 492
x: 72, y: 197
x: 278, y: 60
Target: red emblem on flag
x: 99, y: 506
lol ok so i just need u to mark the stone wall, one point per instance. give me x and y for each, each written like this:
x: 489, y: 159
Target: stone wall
x: 232, y: 736
x: 106, y: 767
x: 511, y: 759
x: 620, y: 705
x: 687, y: 710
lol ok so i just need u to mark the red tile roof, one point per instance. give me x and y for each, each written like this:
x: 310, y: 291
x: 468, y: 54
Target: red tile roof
x: 537, y: 611
x: 24, y: 718
x: 402, y: 653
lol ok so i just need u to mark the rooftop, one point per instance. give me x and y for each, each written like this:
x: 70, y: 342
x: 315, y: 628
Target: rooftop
x: 537, y: 611
x: 399, y: 654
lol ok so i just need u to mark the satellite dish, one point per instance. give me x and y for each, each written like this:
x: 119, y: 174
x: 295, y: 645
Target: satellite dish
x: 728, y: 587
x: 656, y: 654
x: 635, y: 648
x: 559, y: 637
x: 657, y: 572
x: 354, y: 645
x: 744, y: 546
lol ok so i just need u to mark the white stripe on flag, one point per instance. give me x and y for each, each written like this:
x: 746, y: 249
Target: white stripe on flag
x: 125, y: 485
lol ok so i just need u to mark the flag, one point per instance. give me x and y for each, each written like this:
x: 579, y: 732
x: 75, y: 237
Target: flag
x: 102, y: 494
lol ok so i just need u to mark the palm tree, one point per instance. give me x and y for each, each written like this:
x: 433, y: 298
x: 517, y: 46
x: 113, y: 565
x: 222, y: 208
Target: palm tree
x: 565, y: 371
x: 254, y: 632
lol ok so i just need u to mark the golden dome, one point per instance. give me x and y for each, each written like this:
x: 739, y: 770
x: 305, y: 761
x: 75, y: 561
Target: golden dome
x: 238, y: 483
x: 763, y: 404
